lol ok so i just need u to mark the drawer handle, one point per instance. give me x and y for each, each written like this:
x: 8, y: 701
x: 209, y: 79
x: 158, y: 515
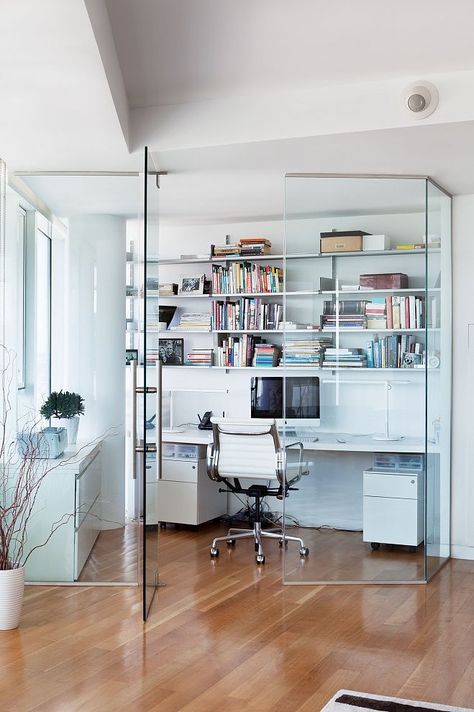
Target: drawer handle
x: 412, y: 481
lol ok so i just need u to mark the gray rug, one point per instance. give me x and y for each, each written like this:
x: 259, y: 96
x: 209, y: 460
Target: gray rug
x: 350, y: 701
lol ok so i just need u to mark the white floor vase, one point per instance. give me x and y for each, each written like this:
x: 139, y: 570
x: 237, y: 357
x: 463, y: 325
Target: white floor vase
x: 12, y: 584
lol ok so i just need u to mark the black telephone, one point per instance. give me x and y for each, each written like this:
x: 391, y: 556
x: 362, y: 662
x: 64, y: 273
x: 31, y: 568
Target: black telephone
x: 205, y: 421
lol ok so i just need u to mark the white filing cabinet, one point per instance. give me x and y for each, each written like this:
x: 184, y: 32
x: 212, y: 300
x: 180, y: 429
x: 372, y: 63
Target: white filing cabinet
x: 184, y: 494
x: 393, y: 507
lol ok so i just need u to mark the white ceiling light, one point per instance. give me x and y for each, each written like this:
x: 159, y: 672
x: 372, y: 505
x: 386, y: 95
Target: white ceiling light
x: 420, y: 99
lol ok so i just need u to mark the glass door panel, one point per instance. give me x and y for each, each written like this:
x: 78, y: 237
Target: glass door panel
x: 358, y: 336
x: 149, y: 417
x: 438, y: 392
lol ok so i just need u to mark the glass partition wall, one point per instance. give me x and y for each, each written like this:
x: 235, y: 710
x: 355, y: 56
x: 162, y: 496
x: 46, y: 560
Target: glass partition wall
x: 367, y: 335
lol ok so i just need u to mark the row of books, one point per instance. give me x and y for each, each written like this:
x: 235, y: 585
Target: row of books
x: 246, y: 313
x: 245, y: 351
x: 396, y: 312
x: 396, y: 351
x: 247, y: 246
x: 246, y: 277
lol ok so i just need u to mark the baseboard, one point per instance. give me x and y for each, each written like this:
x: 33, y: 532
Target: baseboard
x: 462, y: 552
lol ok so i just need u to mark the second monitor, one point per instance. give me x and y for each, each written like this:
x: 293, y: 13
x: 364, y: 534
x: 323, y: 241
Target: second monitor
x: 293, y: 400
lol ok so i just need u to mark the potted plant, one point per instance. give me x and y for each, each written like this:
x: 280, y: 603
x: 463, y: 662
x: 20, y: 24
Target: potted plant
x: 22, y: 472
x: 66, y: 407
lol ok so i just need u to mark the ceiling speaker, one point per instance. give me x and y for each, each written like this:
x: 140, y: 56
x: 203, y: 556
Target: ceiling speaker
x: 420, y: 99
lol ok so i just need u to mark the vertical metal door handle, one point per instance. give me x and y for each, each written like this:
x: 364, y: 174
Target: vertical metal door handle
x: 133, y: 444
x: 159, y: 429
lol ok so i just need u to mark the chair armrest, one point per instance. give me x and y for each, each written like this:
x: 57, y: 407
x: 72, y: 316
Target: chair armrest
x: 299, y: 463
x: 211, y: 463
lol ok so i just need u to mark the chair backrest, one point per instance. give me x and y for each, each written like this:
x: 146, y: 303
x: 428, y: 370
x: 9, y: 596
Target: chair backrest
x: 247, y: 449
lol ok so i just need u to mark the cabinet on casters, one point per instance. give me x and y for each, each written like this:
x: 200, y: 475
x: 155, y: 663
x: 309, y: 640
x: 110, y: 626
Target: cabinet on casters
x: 393, y: 508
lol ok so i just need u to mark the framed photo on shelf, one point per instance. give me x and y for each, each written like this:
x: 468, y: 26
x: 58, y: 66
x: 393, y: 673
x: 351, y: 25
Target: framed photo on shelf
x: 171, y: 352
x: 191, y: 284
x: 131, y: 355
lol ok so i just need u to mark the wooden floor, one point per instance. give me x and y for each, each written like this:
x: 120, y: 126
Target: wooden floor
x: 114, y: 557
x: 335, y: 556
x: 226, y: 636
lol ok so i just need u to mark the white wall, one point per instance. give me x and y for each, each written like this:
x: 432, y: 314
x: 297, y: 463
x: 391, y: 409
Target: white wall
x: 463, y: 379
x: 94, y: 344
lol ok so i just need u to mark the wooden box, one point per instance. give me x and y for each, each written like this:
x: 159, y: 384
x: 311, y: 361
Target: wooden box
x: 390, y: 280
x: 342, y: 241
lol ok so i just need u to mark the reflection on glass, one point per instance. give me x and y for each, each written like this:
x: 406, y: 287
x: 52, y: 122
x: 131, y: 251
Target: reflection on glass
x: 370, y: 265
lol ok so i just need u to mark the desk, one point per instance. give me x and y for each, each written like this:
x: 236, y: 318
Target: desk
x: 347, y: 510
x: 326, y: 441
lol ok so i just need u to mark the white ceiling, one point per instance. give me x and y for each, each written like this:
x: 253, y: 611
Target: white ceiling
x: 246, y: 182
x: 59, y: 104
x: 177, y: 52
x: 57, y: 111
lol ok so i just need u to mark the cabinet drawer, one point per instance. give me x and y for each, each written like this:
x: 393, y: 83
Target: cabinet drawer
x: 392, y: 521
x: 377, y: 484
x: 177, y: 502
x: 85, y: 537
x: 180, y: 470
x: 87, y: 489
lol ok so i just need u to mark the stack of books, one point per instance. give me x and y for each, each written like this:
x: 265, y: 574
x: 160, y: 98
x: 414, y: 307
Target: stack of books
x: 304, y: 352
x: 347, y: 314
x: 344, y: 358
x: 200, y: 357
x: 254, y: 246
x: 246, y: 313
x: 223, y: 252
x: 265, y: 355
x: 376, y: 314
x: 236, y: 351
x: 193, y: 321
x: 246, y: 277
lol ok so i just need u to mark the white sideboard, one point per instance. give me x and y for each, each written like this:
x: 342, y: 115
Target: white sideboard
x: 70, y: 493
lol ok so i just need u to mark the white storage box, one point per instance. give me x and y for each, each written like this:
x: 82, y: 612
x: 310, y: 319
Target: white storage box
x: 375, y: 242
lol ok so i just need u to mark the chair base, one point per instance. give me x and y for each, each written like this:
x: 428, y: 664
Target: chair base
x: 257, y: 533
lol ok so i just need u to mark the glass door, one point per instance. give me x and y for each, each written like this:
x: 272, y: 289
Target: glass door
x: 148, y: 392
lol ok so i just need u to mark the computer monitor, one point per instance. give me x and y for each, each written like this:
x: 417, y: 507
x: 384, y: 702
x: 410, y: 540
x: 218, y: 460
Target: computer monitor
x: 301, y: 399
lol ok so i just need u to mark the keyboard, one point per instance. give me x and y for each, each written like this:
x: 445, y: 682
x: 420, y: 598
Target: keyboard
x: 306, y: 436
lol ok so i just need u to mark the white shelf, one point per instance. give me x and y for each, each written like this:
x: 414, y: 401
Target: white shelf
x: 303, y: 369
x: 375, y: 331
x: 302, y: 256
x: 367, y: 292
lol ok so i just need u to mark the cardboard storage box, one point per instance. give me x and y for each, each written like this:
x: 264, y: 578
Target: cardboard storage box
x: 390, y: 280
x: 342, y: 241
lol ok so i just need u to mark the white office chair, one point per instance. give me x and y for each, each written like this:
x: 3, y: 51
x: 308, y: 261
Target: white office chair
x: 251, y: 449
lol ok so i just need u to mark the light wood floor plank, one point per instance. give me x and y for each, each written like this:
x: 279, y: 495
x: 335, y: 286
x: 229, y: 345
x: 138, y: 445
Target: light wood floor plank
x: 226, y: 635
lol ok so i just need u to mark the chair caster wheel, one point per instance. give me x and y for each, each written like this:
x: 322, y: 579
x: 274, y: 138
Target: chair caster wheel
x: 214, y: 553
x: 260, y: 559
x: 230, y: 542
x: 304, y: 551
x: 375, y: 545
